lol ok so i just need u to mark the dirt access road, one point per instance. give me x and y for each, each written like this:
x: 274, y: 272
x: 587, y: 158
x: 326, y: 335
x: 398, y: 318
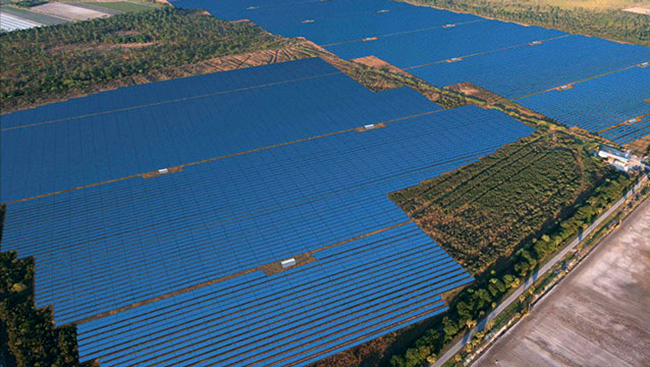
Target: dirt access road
x: 598, y: 316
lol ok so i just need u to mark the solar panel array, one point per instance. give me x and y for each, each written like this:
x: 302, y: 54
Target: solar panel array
x: 506, y: 58
x: 271, y: 163
x: 613, y: 105
x: 184, y: 268
x: 148, y: 127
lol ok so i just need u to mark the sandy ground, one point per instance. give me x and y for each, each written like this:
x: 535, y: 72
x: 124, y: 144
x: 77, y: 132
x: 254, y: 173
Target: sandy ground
x: 376, y: 62
x: 598, y: 316
x: 68, y: 11
x: 639, y: 9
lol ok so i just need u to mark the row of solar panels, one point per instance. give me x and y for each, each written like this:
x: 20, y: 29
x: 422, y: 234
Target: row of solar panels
x: 614, y: 105
x: 88, y: 140
x: 350, y: 293
x: 238, y: 213
x: 506, y: 58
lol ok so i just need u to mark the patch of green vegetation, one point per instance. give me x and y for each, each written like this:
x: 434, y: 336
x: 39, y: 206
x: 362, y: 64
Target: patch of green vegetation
x: 481, y: 213
x: 28, y: 335
x: 604, y: 22
x: 377, y: 79
x: 123, y: 6
x: 45, y: 64
x: 476, y: 301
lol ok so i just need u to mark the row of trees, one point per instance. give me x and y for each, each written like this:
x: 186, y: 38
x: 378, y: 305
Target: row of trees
x: 473, y: 303
x: 28, y: 335
x: 608, y: 23
x: 42, y: 63
x: 480, y: 213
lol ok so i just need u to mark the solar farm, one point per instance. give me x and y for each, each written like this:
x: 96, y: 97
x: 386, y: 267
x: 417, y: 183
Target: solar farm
x: 242, y: 218
x: 216, y: 230
x: 446, y: 48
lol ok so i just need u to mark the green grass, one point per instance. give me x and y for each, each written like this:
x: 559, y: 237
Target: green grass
x: 124, y: 6
x: 484, y: 211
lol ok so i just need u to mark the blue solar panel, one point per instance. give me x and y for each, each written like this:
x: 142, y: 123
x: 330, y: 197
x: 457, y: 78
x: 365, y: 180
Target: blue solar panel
x: 327, y: 22
x: 115, y: 134
x: 527, y: 69
x: 506, y: 58
x: 613, y: 105
x: 108, y: 247
x: 168, y: 270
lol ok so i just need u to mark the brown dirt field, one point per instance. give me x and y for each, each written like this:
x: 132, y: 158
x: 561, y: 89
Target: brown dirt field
x: 597, y: 316
x: 264, y: 57
x: 639, y: 10
x: 68, y: 11
x: 244, y: 21
x: 476, y: 91
x: 376, y: 62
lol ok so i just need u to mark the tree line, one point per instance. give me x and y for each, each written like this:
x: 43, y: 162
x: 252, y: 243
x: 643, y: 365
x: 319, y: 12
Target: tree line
x: 28, y: 335
x: 607, y: 23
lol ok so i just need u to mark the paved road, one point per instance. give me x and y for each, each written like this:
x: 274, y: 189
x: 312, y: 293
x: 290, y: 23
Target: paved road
x: 540, y: 272
x: 597, y: 316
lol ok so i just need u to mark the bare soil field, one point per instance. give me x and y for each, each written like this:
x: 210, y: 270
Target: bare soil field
x: 645, y: 9
x: 597, y: 316
x: 376, y: 62
x: 68, y: 11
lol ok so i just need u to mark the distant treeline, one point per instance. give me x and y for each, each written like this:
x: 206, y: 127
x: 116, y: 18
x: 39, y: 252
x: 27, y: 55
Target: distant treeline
x: 39, y: 63
x: 612, y: 23
x: 28, y: 335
